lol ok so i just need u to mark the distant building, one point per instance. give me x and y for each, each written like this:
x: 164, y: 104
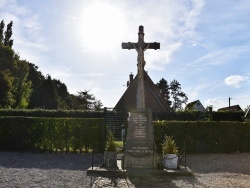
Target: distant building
x: 246, y: 116
x: 153, y: 98
x: 195, y: 105
x: 232, y: 108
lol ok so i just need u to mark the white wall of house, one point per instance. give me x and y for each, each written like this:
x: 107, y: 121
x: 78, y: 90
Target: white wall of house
x: 199, y: 106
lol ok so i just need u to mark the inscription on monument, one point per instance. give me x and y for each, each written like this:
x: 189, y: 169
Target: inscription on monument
x: 138, y: 149
x: 140, y: 123
x: 140, y: 140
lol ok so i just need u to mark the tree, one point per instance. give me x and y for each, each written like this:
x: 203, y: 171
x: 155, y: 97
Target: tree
x: 1, y: 31
x: 14, y: 88
x: 172, y: 93
x: 6, y: 95
x: 178, y: 96
x: 23, y: 87
x: 87, y: 101
x: 62, y: 93
x: 49, y: 94
x: 164, y: 90
x: 7, y: 35
x: 37, y: 79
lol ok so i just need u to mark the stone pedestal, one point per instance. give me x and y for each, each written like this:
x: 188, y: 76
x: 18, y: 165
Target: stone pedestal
x: 140, y: 145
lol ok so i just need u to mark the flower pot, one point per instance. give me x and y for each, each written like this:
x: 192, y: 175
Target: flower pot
x: 170, y: 161
x: 110, y: 159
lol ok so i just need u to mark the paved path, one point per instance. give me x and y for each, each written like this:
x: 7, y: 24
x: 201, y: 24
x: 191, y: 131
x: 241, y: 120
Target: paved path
x: 69, y: 170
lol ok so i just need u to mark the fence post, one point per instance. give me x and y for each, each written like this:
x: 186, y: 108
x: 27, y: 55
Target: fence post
x: 185, y: 155
x: 105, y: 126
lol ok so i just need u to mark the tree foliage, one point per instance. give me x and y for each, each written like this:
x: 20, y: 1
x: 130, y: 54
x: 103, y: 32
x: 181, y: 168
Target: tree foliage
x: 22, y: 85
x: 15, y: 88
x: 86, y: 100
x: 172, y: 93
x: 7, y: 35
x: 178, y: 96
x: 164, y: 90
x: 1, y: 31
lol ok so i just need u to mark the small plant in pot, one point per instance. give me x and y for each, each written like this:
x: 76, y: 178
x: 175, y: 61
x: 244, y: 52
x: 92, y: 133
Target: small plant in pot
x: 170, y: 151
x: 110, y: 154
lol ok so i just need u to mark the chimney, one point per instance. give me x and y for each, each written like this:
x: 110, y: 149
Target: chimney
x: 131, y: 77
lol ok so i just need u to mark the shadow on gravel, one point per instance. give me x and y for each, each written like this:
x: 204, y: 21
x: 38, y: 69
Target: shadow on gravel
x: 237, y: 163
x: 47, y: 161
x: 163, y: 181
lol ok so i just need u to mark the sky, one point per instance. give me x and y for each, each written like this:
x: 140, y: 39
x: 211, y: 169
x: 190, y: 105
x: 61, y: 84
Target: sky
x: 205, y: 44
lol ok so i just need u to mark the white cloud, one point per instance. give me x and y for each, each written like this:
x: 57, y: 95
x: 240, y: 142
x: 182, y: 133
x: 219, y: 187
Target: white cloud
x: 222, y: 56
x: 93, y: 75
x: 160, y: 56
x: 235, y: 80
x: 216, y: 103
x: 195, y: 92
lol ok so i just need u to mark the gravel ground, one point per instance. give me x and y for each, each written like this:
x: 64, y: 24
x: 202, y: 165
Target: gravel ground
x: 69, y: 170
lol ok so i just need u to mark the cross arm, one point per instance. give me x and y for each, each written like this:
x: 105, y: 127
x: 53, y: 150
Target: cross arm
x: 153, y: 45
x: 129, y: 45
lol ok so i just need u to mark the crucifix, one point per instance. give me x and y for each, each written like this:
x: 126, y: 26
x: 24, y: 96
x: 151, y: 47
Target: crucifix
x: 140, y: 47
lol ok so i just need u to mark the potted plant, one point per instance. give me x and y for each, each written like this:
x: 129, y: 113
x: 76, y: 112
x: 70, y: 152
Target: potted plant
x: 110, y: 154
x: 169, y: 150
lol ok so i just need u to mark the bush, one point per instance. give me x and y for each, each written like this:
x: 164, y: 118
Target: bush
x: 204, y: 137
x: 199, y: 116
x: 53, y: 134
x: 169, y: 146
x: 51, y: 113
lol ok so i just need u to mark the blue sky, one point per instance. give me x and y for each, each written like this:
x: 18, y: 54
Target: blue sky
x: 205, y: 44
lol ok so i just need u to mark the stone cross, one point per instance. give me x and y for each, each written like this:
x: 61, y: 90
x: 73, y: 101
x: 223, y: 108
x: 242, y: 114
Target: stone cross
x: 140, y: 47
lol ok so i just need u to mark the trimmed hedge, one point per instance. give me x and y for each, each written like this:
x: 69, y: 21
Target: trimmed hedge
x: 64, y: 134
x: 53, y: 134
x: 205, y: 137
x: 228, y: 116
x: 180, y: 116
x: 200, y: 116
x: 172, y: 116
x: 52, y: 113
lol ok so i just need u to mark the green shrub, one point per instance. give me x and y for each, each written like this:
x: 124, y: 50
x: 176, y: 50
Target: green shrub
x: 169, y: 146
x: 53, y: 134
x: 111, y: 145
x: 51, y: 113
x: 204, y: 137
x: 194, y: 115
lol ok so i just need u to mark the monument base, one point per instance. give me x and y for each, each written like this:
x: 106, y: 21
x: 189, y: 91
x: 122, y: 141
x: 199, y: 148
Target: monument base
x: 146, y: 161
x: 140, y: 148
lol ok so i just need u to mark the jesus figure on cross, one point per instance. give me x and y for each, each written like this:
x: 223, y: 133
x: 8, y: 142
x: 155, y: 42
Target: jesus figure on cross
x: 140, y: 59
x: 140, y: 47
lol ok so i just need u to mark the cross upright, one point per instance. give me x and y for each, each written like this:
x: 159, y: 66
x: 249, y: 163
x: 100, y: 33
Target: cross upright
x: 140, y: 47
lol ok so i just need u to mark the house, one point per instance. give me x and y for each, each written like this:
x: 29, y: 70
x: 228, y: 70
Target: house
x: 195, y: 105
x: 231, y: 108
x: 153, y: 98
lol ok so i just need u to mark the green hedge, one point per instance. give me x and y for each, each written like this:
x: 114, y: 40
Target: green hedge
x: 228, y: 116
x: 205, y: 137
x: 172, y: 116
x: 64, y: 134
x: 51, y: 113
x: 180, y: 116
x: 22, y: 133
x: 200, y: 116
